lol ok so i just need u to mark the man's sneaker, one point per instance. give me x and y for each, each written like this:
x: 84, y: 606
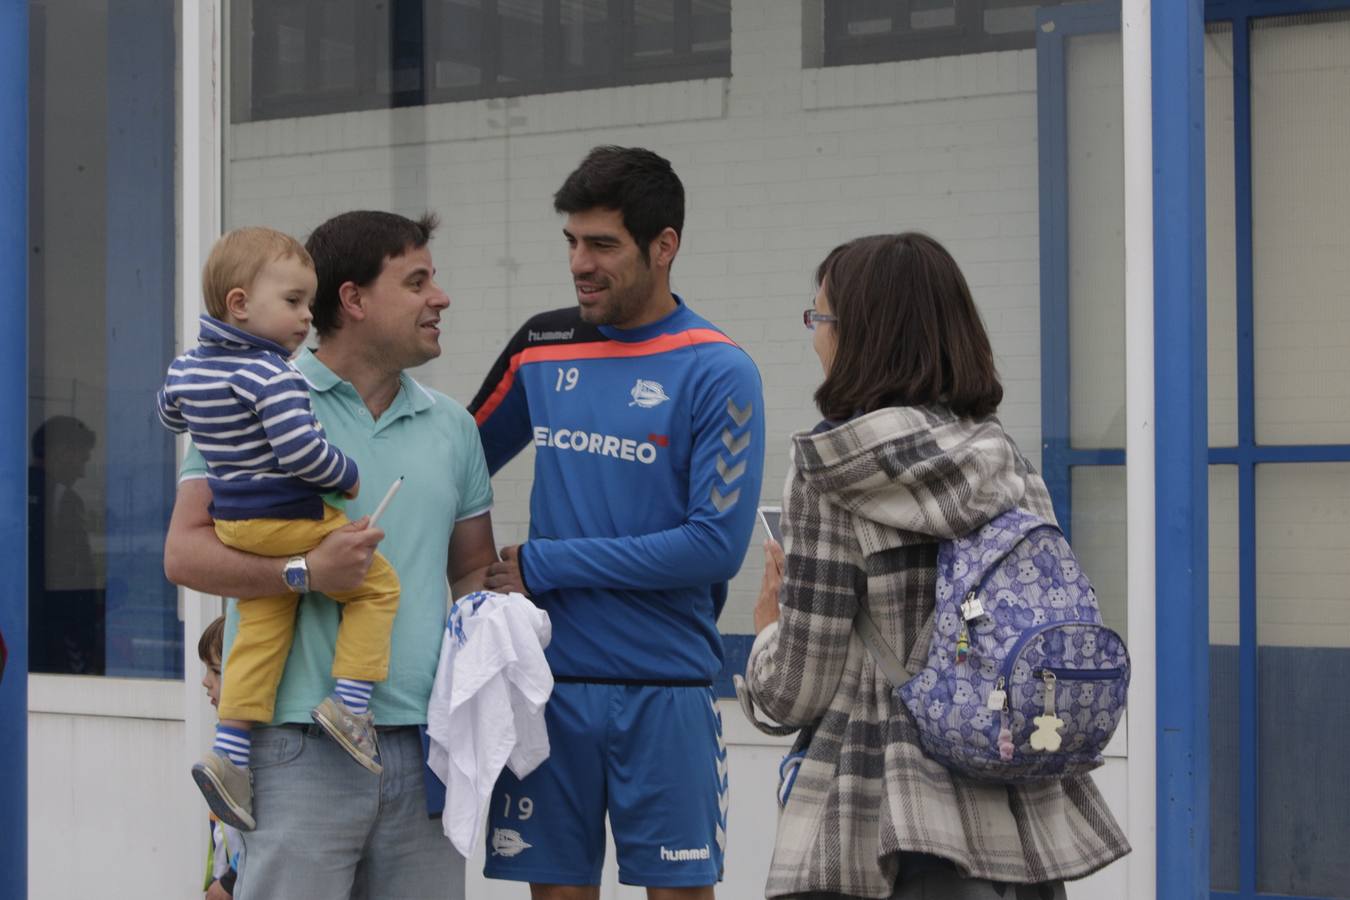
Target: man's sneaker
x: 228, y: 790
x: 353, y: 732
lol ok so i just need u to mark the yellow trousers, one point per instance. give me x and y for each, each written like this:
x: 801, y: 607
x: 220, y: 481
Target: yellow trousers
x: 267, y: 624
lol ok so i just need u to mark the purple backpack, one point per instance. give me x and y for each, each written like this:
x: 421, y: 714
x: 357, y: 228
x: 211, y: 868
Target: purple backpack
x: 1023, y: 682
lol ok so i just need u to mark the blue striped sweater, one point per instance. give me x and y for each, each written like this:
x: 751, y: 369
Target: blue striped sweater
x: 247, y: 409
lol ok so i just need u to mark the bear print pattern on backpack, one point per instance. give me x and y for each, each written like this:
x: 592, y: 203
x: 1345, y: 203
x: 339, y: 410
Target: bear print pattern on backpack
x: 1023, y: 682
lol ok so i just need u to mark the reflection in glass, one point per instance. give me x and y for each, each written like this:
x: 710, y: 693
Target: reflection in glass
x: 1096, y: 265
x: 296, y: 58
x: 711, y: 26
x: 869, y: 31
x: 1098, y: 529
x: 1223, y: 678
x: 101, y: 325
x: 65, y: 586
x: 336, y: 45
x: 1097, y: 262
x: 455, y: 36
x: 1220, y: 236
x: 653, y: 31
x: 583, y: 36
x: 520, y: 43
x: 1300, y: 219
x: 1303, y: 633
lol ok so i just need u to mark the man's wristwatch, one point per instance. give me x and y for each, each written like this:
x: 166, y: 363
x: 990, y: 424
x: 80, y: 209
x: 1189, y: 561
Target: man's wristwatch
x: 297, y: 574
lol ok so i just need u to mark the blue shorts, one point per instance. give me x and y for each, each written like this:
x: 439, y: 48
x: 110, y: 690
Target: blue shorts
x: 652, y: 757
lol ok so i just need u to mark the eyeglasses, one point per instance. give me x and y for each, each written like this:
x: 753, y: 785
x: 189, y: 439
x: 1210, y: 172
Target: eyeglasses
x: 810, y: 317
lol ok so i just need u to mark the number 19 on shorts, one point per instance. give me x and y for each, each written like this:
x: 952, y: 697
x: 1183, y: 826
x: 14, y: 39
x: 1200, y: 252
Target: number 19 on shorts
x: 524, y: 808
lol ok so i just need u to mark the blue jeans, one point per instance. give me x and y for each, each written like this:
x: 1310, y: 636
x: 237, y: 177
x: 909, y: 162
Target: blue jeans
x: 328, y: 829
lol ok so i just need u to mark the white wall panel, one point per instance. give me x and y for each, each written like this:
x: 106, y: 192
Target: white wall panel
x: 1303, y: 555
x: 105, y: 800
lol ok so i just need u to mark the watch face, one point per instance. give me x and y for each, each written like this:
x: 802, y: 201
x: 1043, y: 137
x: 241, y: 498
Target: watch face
x: 296, y: 576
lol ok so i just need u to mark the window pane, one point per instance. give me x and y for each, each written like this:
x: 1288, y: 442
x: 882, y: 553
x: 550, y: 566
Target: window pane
x: 521, y: 41
x: 455, y: 43
x: 283, y: 31
x: 1098, y: 520
x: 298, y: 58
x: 101, y: 332
x: 1303, y: 628
x: 925, y: 14
x: 335, y: 49
x: 1220, y: 236
x: 869, y: 31
x: 1303, y: 567
x: 1223, y: 677
x: 666, y: 32
x: 1096, y: 245
x: 652, y: 33
x: 1301, y: 216
x: 1099, y: 524
x: 585, y: 49
x: 1010, y: 18
x: 711, y: 26
x: 863, y: 17
x: 395, y: 34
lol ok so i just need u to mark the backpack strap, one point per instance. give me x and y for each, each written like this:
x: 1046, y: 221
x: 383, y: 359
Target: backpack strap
x: 882, y: 654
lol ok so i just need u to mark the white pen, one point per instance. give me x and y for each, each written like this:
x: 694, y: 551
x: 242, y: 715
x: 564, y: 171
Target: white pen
x: 388, y: 495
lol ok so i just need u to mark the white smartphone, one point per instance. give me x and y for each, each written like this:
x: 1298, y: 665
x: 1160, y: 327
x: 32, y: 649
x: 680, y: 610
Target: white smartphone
x: 770, y: 518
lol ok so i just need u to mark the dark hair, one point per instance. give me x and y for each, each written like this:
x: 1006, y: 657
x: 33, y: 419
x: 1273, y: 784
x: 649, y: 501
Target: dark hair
x: 639, y: 184
x: 908, y: 332
x: 211, y: 645
x: 353, y: 247
x: 61, y: 431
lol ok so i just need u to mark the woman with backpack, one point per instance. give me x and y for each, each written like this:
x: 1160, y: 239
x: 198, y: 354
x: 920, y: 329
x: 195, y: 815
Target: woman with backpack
x: 908, y: 455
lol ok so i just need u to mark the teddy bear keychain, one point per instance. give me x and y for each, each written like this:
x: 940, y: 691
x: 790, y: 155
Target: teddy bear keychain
x: 1046, y: 737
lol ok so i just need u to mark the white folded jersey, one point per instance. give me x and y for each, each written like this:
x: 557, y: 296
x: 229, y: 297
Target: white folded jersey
x: 487, y: 704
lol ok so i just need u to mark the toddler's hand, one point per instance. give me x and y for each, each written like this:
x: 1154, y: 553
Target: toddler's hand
x: 355, y: 489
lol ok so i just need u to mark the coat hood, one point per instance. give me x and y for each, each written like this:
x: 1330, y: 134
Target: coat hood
x: 924, y: 471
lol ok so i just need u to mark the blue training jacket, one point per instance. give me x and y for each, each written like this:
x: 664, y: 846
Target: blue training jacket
x: 649, y: 452
x: 247, y: 409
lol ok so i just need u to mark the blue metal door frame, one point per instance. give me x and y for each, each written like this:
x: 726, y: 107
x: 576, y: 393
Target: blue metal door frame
x: 13, y: 448
x: 1175, y: 832
x: 1180, y: 405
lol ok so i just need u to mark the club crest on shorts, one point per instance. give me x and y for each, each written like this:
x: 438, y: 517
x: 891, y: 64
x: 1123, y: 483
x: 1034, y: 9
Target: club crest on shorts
x: 647, y: 394
x: 508, y: 842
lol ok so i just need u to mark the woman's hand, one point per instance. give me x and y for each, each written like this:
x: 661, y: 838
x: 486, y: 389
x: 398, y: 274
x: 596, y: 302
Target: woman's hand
x: 766, y: 607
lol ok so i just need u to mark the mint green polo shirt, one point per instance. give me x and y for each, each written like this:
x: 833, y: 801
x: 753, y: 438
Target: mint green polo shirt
x: 433, y: 442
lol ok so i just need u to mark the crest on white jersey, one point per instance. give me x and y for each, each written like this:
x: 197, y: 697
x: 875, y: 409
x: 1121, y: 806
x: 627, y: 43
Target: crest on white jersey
x: 648, y: 394
x: 508, y: 842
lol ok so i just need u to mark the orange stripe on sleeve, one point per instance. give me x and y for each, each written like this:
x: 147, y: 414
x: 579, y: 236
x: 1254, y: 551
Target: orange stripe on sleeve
x: 664, y: 343
x: 498, y: 394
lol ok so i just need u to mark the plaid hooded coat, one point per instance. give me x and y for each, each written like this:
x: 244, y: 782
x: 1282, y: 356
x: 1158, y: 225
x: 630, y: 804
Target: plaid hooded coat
x: 864, y: 506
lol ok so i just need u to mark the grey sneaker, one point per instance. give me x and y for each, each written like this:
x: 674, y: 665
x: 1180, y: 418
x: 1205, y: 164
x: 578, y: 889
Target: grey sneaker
x: 353, y: 733
x: 228, y: 790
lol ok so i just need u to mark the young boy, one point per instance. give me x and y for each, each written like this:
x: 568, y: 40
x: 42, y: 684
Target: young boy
x: 226, y: 842
x: 271, y: 471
